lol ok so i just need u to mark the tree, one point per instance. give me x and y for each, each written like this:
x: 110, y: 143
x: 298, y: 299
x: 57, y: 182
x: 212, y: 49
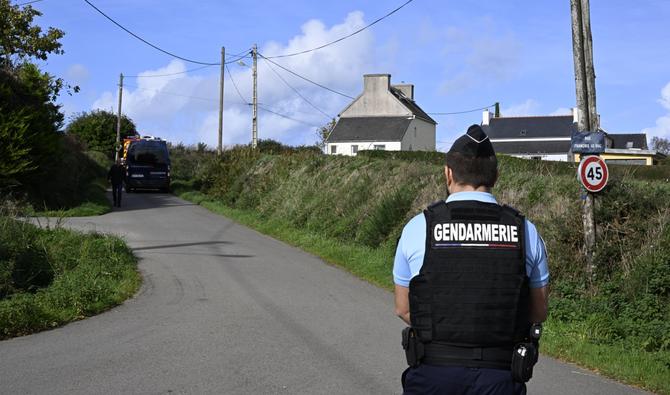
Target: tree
x: 28, y: 126
x: 661, y: 145
x: 30, y: 120
x: 20, y: 40
x: 97, y: 130
x: 324, y: 132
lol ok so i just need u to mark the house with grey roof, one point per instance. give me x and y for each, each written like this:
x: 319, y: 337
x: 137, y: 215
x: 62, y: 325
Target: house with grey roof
x: 383, y: 117
x: 549, y: 138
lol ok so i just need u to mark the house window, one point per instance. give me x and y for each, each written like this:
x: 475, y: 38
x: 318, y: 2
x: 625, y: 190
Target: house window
x: 629, y: 144
x: 333, y: 149
x: 380, y: 147
x: 354, y: 149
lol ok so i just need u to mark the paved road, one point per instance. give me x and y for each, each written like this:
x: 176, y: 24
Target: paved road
x: 224, y: 309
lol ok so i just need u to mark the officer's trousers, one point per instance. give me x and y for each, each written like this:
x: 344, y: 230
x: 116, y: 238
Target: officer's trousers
x: 447, y: 380
x: 116, y: 194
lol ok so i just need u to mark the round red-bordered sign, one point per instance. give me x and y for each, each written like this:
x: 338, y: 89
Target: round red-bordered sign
x: 593, y: 173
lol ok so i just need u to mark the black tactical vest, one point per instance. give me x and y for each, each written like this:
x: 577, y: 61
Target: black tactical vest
x: 472, y: 290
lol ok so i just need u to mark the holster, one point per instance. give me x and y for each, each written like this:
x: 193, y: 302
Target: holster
x: 525, y: 355
x: 414, y: 349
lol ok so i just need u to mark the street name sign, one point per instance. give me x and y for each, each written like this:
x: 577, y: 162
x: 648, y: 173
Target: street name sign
x: 588, y: 142
x: 593, y: 173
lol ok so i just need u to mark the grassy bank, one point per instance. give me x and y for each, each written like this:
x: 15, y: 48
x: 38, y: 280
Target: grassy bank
x: 351, y: 210
x: 49, y: 277
x: 73, y: 185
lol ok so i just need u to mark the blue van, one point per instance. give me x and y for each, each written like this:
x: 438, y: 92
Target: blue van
x: 148, y: 165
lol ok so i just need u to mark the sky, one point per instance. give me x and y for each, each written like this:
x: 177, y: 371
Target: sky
x: 460, y: 55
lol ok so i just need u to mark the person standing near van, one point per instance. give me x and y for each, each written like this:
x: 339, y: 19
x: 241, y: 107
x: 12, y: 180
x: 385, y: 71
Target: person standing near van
x: 116, y: 176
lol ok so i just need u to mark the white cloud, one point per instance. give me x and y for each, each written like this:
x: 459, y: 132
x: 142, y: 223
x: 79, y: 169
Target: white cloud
x: 662, y: 128
x: 529, y: 107
x: 184, y: 108
x: 562, y: 111
x: 77, y: 74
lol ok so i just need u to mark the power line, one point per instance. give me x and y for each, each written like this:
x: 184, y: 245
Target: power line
x: 235, y: 85
x: 167, y: 75
x: 27, y: 2
x: 345, y: 37
x: 172, y: 93
x: 296, y: 91
x: 305, y: 78
x: 286, y: 116
x: 153, y: 45
x: 460, y: 112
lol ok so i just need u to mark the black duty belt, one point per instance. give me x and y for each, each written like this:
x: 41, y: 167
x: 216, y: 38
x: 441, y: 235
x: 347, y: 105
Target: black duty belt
x: 483, y: 357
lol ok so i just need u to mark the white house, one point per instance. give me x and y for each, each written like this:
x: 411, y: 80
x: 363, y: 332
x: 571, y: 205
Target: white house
x: 383, y: 117
x: 549, y: 138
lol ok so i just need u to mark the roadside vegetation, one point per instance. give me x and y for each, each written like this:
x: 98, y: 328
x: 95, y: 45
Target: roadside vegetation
x: 49, y: 277
x: 350, y: 211
x: 43, y: 169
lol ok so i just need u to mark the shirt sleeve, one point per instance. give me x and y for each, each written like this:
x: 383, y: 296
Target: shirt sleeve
x: 537, y: 265
x: 401, y: 271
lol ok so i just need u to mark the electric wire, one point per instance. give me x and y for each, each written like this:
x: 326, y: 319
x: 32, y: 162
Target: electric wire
x: 286, y: 116
x: 460, y: 112
x: 171, y: 93
x: 153, y: 45
x: 345, y: 37
x: 167, y: 75
x: 26, y: 3
x: 235, y: 86
x: 297, y: 92
x: 305, y: 78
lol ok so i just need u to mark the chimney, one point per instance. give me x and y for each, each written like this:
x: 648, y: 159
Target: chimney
x: 406, y: 89
x: 575, y: 114
x: 375, y: 83
x: 486, y: 117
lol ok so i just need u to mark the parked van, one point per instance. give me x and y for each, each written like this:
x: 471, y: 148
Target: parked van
x: 148, y: 165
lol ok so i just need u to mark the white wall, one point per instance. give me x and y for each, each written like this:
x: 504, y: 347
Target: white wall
x: 345, y: 148
x: 420, y: 136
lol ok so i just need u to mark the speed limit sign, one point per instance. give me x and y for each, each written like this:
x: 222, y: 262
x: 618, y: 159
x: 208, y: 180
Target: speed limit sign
x: 592, y: 173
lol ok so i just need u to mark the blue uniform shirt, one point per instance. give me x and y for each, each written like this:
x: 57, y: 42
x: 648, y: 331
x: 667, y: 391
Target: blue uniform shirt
x: 412, y: 246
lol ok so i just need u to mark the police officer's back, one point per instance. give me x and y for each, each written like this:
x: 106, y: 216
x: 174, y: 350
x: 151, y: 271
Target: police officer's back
x: 471, y: 278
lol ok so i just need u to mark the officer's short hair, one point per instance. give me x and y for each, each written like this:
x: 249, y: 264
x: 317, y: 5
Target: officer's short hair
x: 473, y: 171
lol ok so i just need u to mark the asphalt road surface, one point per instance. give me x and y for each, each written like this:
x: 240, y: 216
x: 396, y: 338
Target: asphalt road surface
x: 224, y: 309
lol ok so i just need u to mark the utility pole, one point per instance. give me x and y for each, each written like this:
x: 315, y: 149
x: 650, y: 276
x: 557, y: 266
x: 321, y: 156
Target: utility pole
x: 118, y: 119
x: 254, y: 103
x: 582, y: 49
x: 219, y: 148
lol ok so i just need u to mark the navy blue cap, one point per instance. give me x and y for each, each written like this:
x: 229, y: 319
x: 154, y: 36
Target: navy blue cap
x: 474, y: 143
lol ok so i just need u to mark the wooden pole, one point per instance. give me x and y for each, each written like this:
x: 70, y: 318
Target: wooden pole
x: 118, y: 120
x: 582, y: 49
x: 219, y: 147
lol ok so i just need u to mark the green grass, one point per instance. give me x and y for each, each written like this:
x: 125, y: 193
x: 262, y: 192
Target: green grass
x: 571, y: 342
x: 95, y: 202
x: 364, y: 262
x: 79, y: 275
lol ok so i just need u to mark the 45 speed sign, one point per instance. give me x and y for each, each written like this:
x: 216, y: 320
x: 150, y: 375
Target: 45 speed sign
x: 593, y: 174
